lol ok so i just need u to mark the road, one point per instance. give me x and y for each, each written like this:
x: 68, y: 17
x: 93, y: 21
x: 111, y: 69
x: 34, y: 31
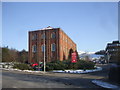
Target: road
x: 12, y: 79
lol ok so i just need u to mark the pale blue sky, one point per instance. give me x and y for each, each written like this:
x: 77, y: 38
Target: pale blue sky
x: 90, y: 25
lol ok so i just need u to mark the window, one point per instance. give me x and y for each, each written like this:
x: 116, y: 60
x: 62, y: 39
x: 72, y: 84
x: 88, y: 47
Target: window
x: 53, y: 35
x: 34, y: 48
x: 52, y: 47
x: 66, y: 39
x: 43, y: 36
x: 42, y: 47
x: 118, y: 44
x: 34, y: 37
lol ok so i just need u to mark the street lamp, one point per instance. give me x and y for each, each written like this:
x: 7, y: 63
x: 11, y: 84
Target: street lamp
x: 108, y: 57
x: 44, y: 52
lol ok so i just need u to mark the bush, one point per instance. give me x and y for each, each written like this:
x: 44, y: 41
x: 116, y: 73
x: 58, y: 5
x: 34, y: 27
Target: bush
x: 55, y: 65
x: 82, y: 64
x: 22, y: 66
x: 66, y: 64
x: 49, y: 67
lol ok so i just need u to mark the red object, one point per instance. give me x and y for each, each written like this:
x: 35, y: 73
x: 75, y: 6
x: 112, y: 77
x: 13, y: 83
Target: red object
x: 35, y: 64
x: 74, y: 57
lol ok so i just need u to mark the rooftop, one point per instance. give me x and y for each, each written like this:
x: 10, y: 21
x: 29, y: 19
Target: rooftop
x: 49, y: 27
x: 115, y: 42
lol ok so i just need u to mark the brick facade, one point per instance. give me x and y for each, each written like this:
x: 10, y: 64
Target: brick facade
x: 57, y: 45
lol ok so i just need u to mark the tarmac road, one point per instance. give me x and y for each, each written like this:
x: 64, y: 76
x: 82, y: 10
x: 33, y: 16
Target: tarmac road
x: 13, y: 79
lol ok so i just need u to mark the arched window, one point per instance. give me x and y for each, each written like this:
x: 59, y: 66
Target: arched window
x: 53, y: 47
x: 34, y: 48
x: 42, y: 47
x: 53, y: 35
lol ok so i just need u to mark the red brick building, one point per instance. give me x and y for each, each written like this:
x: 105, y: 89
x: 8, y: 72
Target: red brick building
x: 56, y: 43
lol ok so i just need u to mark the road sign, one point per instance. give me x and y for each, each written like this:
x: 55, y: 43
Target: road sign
x: 74, y: 57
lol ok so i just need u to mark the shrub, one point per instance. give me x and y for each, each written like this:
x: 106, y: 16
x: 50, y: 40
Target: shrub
x: 55, y: 65
x: 82, y: 64
x: 49, y: 67
x: 66, y: 64
x: 72, y: 66
x: 22, y: 66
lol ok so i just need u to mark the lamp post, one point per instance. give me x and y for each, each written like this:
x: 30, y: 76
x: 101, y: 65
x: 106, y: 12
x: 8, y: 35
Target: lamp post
x: 109, y: 57
x: 44, y: 52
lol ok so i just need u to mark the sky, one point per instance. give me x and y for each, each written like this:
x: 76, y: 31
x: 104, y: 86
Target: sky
x: 91, y: 25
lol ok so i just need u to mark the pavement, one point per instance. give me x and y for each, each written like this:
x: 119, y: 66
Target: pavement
x: 105, y: 84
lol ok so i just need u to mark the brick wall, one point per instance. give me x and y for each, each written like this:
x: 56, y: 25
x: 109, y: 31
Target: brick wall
x: 62, y: 45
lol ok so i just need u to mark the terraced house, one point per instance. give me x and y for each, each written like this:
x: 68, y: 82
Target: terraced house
x: 51, y: 43
x: 113, y: 52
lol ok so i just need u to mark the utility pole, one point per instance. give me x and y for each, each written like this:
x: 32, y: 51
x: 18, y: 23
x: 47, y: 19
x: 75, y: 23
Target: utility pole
x: 44, y: 52
x: 108, y: 54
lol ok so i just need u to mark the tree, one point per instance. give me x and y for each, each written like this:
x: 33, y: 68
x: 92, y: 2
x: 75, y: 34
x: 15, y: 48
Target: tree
x: 77, y: 55
x: 5, y: 55
x: 70, y: 52
x: 13, y: 54
x: 23, y: 56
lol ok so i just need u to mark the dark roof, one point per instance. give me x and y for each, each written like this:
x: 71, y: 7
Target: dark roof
x: 115, y: 42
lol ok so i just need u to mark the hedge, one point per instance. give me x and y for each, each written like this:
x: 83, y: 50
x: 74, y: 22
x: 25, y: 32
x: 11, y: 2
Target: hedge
x: 22, y: 66
x: 66, y: 64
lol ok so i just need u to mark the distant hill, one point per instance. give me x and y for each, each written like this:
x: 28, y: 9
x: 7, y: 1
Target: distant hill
x: 92, y: 55
x: 83, y: 52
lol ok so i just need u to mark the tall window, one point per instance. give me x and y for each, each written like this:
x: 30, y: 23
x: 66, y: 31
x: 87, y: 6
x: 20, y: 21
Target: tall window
x: 66, y: 39
x: 52, y: 47
x: 34, y: 48
x: 34, y: 37
x: 53, y: 35
x: 43, y: 36
x: 42, y: 47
